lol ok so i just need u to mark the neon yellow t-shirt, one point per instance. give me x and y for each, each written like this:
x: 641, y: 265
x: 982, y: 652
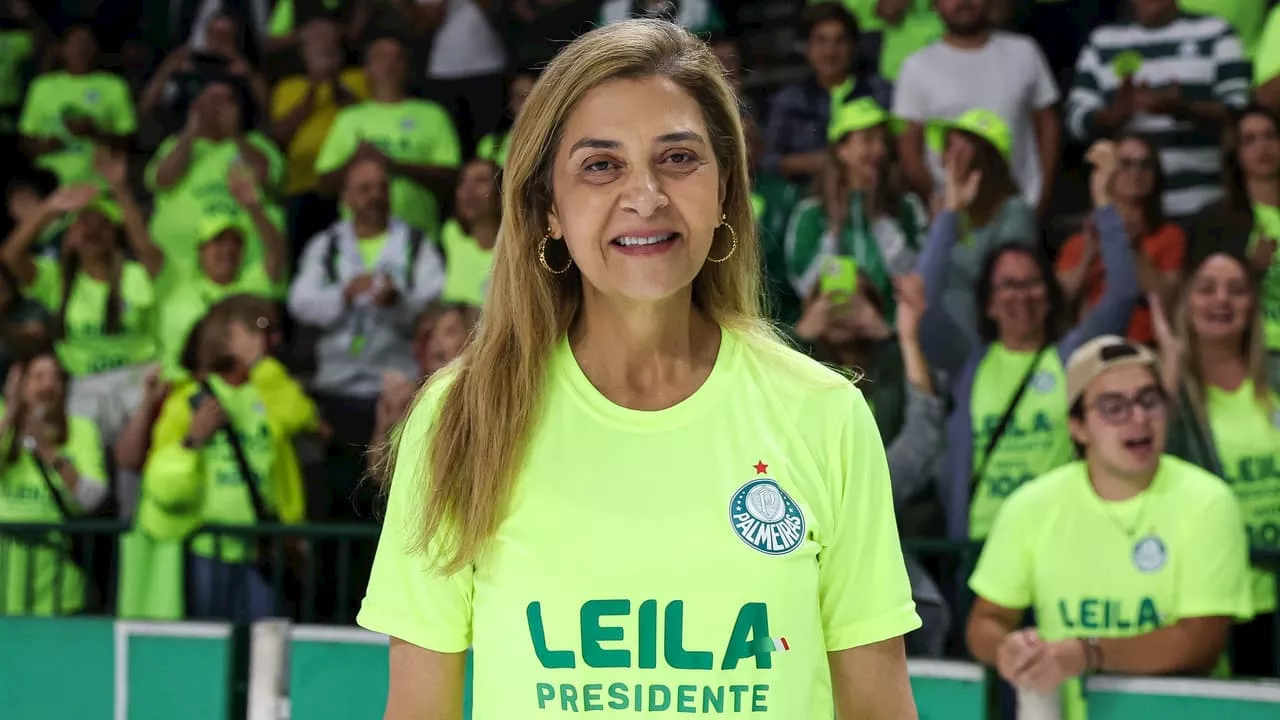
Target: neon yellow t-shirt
x: 305, y: 145
x: 467, y: 265
x: 87, y: 348
x: 1093, y: 568
x: 919, y: 27
x: 24, y: 497
x: 410, y: 131
x: 202, y: 193
x: 100, y: 96
x: 773, y: 470
x: 226, y: 499
x: 1266, y: 221
x: 1266, y: 63
x: 1247, y: 438
x: 371, y: 249
x: 190, y: 299
x: 1037, y: 439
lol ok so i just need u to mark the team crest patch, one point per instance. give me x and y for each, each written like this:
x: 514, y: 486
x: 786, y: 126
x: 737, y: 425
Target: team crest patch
x: 406, y: 124
x: 1043, y: 381
x: 92, y: 96
x: 765, y: 517
x: 1149, y: 554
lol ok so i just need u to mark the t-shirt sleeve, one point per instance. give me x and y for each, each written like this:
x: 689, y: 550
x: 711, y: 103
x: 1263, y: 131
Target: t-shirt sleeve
x: 445, y: 150
x: 338, y: 145
x: 407, y: 597
x: 29, y: 120
x: 1004, y: 572
x: 1044, y: 88
x: 124, y: 119
x: 1214, y: 577
x: 863, y: 590
x: 46, y: 287
x: 1266, y: 66
x: 162, y: 152
x: 275, y: 160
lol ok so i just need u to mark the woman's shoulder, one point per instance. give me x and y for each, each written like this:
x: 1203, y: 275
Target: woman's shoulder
x: 772, y: 362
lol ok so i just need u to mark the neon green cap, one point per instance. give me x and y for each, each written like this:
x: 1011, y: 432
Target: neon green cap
x: 211, y: 226
x: 107, y: 208
x: 984, y: 123
x: 856, y: 115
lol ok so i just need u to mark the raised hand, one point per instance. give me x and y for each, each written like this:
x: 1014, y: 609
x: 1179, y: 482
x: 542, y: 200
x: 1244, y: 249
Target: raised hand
x: 113, y: 166
x: 909, y: 292
x: 244, y: 187
x: 70, y: 198
x: 960, y: 188
x: 813, y: 322
x: 1263, y: 254
x: 1102, y: 156
x: 1019, y: 652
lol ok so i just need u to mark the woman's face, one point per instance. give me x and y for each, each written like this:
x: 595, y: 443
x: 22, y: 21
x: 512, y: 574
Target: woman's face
x: 438, y: 344
x: 220, y: 257
x: 476, y: 193
x: 92, y: 233
x: 1135, y: 174
x: 79, y: 49
x: 864, y: 152
x: 1259, y: 146
x: 637, y: 191
x: 42, y: 382
x: 521, y: 86
x: 1019, y: 297
x: 1220, y: 301
x: 961, y: 150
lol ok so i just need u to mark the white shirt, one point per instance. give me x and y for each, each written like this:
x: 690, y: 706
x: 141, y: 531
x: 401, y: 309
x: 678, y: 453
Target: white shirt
x: 466, y: 45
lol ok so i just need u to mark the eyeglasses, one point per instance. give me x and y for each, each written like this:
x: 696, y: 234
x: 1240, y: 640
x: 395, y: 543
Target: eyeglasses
x: 1136, y: 163
x: 1117, y: 408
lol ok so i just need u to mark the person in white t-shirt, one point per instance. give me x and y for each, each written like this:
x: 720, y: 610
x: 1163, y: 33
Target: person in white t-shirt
x: 971, y: 67
x: 466, y: 65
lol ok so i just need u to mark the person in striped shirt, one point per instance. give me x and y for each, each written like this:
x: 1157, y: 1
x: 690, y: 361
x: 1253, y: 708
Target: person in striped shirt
x: 1173, y: 77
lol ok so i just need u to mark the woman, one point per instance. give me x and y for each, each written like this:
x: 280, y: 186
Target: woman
x: 1247, y: 220
x: 494, y: 145
x: 1009, y: 422
x: 908, y: 409
x: 624, y: 342
x: 1214, y: 360
x: 194, y: 475
x: 977, y: 145
x: 103, y: 303
x: 1159, y: 245
x: 467, y: 238
x: 68, y: 113
x: 867, y: 218
x: 51, y: 471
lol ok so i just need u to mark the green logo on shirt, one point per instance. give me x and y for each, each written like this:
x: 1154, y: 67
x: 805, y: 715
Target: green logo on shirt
x: 1094, y: 613
x: 765, y: 517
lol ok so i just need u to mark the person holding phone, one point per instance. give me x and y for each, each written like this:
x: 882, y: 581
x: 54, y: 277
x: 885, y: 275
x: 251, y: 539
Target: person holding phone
x: 1009, y: 422
x: 52, y: 469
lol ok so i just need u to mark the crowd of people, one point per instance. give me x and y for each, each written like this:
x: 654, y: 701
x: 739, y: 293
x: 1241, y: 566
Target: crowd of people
x: 226, y: 279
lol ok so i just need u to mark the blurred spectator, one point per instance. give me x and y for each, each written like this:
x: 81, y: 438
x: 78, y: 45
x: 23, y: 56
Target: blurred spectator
x: 290, y: 17
x: 1159, y: 246
x: 189, y: 177
x: 303, y: 110
x: 69, y: 112
x: 52, y: 470
x: 362, y: 283
x: 1246, y: 222
x: 1215, y: 370
x: 1173, y: 78
x: 796, y: 132
x: 1266, y: 66
x: 867, y: 217
x: 465, y: 70
x: 494, y: 145
x: 414, y: 139
x: 24, y: 195
x: 18, y: 42
x: 1132, y: 562
x: 103, y: 304
x: 892, y: 31
x: 468, y: 237
x: 977, y: 67
x: 856, y: 334
x: 187, y: 71
x: 194, y: 475
x: 991, y: 214
x: 696, y: 16
x: 1009, y: 422
x: 1245, y: 16
x: 251, y: 16
x: 773, y: 200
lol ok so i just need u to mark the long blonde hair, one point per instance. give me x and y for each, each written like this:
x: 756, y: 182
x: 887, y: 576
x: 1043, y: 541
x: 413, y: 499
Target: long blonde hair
x: 1253, y: 346
x: 478, y: 438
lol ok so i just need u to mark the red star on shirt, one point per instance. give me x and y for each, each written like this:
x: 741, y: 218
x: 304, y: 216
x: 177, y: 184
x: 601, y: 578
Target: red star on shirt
x: 761, y: 468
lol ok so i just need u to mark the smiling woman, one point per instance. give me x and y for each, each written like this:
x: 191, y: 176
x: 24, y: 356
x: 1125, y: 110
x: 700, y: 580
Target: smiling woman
x: 625, y: 446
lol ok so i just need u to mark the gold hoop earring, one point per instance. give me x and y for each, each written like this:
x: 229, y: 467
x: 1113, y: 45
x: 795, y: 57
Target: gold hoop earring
x: 542, y: 256
x: 733, y: 234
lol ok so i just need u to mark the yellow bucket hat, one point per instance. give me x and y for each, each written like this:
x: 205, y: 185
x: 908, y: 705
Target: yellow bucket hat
x: 859, y: 114
x: 211, y: 226
x: 984, y: 123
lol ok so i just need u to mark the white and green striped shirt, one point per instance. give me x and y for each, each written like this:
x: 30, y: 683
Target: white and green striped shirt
x: 1201, y: 54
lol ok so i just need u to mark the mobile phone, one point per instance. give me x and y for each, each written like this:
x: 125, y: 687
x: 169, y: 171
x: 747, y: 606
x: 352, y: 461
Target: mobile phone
x: 839, y: 277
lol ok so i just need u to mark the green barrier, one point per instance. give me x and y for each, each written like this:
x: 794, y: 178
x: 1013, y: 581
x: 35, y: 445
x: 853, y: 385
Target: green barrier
x: 96, y: 669
x: 948, y: 689
x: 1116, y: 698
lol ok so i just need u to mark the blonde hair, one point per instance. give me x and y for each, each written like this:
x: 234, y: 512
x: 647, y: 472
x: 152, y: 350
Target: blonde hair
x: 1253, y: 346
x: 478, y: 438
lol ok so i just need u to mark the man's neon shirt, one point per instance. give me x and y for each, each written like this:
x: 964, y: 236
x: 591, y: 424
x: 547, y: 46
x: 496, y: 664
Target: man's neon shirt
x: 704, y: 558
x: 1094, y: 568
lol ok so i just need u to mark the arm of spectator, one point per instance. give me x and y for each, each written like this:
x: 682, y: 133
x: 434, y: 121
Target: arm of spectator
x: 247, y: 193
x: 313, y: 300
x: 1048, y: 130
x: 988, y: 627
x: 286, y: 122
x: 113, y: 166
x: 174, y: 166
x: 1112, y: 313
x: 16, y: 252
x: 289, y: 408
x: 933, y: 264
x: 256, y: 160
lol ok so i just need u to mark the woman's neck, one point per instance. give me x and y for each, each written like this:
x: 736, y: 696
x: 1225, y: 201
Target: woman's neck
x: 644, y: 356
x: 1222, y: 364
x: 485, y: 232
x: 1022, y: 343
x: 1264, y: 190
x: 1113, y: 486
